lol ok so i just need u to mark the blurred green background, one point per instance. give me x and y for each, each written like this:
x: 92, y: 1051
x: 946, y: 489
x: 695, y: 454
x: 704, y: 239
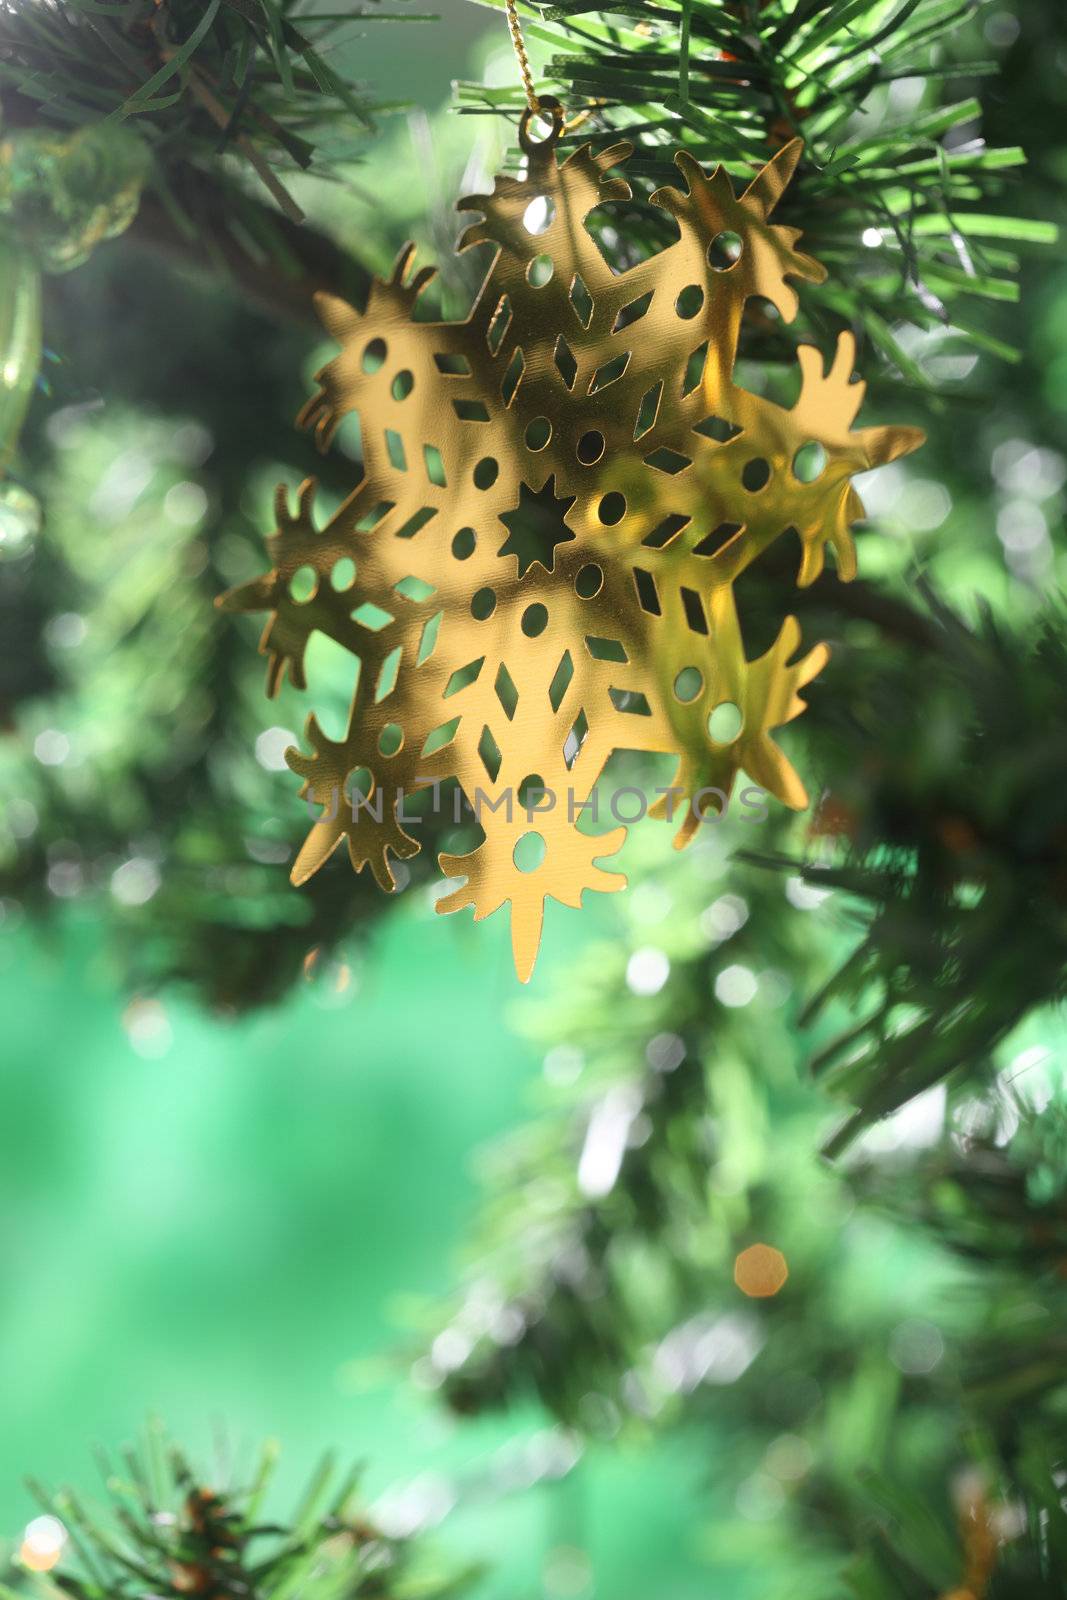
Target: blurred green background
x: 227, y: 1224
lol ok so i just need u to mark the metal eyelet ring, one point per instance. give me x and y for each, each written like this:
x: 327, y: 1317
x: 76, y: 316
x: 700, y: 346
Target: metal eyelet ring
x: 548, y: 106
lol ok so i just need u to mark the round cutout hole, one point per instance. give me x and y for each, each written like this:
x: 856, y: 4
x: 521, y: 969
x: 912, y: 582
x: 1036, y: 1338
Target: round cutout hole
x: 590, y: 447
x: 483, y: 604
x: 374, y: 355
x: 486, y: 473
x: 539, y: 272
x: 538, y: 433
x: 303, y: 584
x: 756, y: 474
x: 464, y: 543
x: 612, y: 509
x: 539, y: 215
x: 530, y: 790
x: 343, y: 575
x: 402, y: 385
x: 688, y: 684
x: 589, y: 582
x: 689, y: 302
x: 809, y: 462
x: 534, y: 620
x: 759, y: 311
x: 359, y: 785
x: 724, y: 251
x: 390, y: 739
x: 529, y: 852
x: 725, y: 722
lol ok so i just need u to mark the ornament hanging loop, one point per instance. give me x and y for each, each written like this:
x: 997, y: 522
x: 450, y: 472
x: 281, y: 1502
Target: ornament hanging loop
x: 519, y: 43
x: 547, y: 109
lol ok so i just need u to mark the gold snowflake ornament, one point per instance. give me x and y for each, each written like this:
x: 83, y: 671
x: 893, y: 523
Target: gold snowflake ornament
x: 537, y: 566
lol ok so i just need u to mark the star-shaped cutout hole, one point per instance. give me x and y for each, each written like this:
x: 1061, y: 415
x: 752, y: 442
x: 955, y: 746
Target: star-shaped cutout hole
x: 536, y: 526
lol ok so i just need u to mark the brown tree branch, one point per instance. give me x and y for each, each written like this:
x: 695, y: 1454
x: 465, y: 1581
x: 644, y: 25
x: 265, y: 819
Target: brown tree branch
x: 302, y: 262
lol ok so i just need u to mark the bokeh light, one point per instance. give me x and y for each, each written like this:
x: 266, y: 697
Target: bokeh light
x: 760, y: 1271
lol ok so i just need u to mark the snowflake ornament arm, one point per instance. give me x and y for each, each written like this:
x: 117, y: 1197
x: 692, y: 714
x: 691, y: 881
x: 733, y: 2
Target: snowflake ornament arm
x: 558, y: 496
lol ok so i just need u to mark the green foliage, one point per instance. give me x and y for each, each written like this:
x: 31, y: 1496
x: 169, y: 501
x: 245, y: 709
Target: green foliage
x: 168, y: 1532
x: 617, y: 1216
x: 874, y: 1418
x: 894, y: 190
x: 232, y: 100
x: 189, y: 73
x: 140, y: 711
x: 905, y: 1388
x: 953, y: 847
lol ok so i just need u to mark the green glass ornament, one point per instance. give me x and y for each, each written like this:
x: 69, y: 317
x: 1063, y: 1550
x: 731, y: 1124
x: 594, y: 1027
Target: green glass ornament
x: 20, y: 520
x: 20, y: 341
x: 63, y: 195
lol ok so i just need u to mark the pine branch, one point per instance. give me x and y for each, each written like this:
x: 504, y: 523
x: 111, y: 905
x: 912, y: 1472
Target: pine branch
x: 606, y: 1277
x: 952, y: 843
x: 229, y: 98
x: 893, y: 204
x: 167, y: 1533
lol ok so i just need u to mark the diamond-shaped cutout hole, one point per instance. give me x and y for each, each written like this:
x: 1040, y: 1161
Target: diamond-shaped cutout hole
x: 506, y: 691
x: 694, y: 611
x: 509, y: 383
x: 428, y: 638
x: 566, y: 365
x: 714, y: 541
x: 581, y: 300
x: 648, y: 410
x: 647, y: 595
x: 414, y: 589
x: 665, y: 531
x: 499, y: 325
x: 438, y: 737
x: 435, y: 467
x: 387, y: 676
x: 610, y: 372
x: 416, y: 521
x: 463, y: 676
x: 452, y: 366
x: 370, y: 519
x: 394, y: 449
x: 631, y: 702
x: 572, y: 745
x: 371, y: 617
x: 605, y: 649
x: 671, y: 461
x: 694, y: 369
x: 561, y: 680
x: 489, y: 751
x: 471, y: 410
x: 717, y: 428
x: 633, y: 312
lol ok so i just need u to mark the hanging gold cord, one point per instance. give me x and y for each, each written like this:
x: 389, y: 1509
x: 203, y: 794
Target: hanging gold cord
x: 515, y: 29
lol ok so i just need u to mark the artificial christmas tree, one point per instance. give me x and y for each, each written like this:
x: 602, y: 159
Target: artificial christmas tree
x: 868, y: 1348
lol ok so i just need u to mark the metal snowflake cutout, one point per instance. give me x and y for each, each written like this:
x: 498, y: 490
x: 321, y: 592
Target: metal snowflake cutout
x: 558, y: 495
